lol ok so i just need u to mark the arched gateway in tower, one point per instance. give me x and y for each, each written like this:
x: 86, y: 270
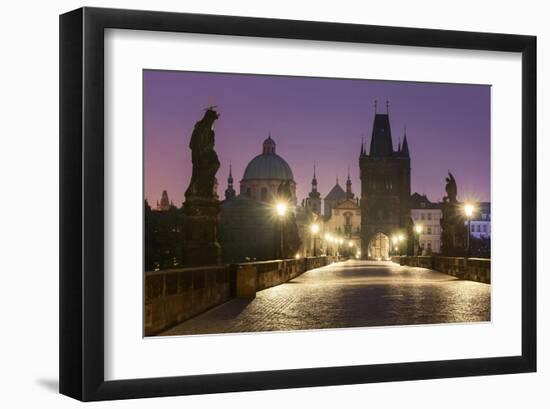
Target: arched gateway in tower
x: 385, y: 190
x: 379, y: 247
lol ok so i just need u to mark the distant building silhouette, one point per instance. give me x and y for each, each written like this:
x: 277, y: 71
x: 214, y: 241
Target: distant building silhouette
x: 335, y: 196
x: 249, y: 229
x: 164, y: 204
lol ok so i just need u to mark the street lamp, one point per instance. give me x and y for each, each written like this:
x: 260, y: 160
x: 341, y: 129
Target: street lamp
x: 418, y: 229
x: 401, y: 238
x: 468, y: 211
x: 281, y: 209
x: 328, y: 239
x: 340, y: 242
x: 314, y: 230
x: 395, y: 240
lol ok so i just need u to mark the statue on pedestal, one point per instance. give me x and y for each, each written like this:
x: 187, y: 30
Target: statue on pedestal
x: 452, y: 221
x: 201, y: 246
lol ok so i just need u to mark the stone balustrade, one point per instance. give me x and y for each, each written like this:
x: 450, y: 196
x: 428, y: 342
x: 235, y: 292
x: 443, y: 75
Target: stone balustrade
x: 175, y: 295
x: 475, y: 269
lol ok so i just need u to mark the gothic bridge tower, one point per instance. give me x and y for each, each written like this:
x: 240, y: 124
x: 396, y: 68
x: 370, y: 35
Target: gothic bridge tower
x: 385, y: 190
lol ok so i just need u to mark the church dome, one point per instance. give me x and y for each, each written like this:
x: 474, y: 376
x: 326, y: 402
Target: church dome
x: 268, y: 165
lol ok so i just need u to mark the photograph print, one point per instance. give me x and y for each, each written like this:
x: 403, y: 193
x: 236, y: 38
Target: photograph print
x: 281, y: 203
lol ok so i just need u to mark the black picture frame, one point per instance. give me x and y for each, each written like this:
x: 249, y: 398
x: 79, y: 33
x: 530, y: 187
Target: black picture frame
x: 82, y: 213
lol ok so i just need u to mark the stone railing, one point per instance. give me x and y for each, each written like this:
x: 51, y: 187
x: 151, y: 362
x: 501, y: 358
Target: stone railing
x: 172, y: 296
x: 175, y: 295
x: 258, y: 276
x: 475, y: 269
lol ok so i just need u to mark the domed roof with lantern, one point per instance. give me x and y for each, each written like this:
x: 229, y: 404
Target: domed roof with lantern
x: 268, y: 165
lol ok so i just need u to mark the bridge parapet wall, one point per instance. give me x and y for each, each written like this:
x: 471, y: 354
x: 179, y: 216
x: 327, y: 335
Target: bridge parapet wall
x: 172, y: 296
x: 175, y: 295
x: 475, y: 269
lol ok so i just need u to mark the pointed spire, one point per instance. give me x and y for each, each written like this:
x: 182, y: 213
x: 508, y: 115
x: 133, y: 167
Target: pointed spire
x: 375, y: 107
x: 387, y: 107
x: 164, y: 203
x: 398, y: 144
x: 230, y: 191
x: 349, y: 193
x: 405, y: 147
x: 314, y: 180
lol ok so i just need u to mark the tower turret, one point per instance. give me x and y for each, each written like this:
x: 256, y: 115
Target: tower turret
x: 313, y: 201
x: 229, y: 192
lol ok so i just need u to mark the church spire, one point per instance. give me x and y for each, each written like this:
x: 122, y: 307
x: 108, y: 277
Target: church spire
x: 314, y: 180
x: 349, y: 193
x: 164, y: 203
x: 405, y: 147
x: 230, y: 191
x: 313, y: 201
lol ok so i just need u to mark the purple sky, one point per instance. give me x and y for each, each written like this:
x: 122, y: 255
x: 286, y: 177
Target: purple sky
x: 315, y: 119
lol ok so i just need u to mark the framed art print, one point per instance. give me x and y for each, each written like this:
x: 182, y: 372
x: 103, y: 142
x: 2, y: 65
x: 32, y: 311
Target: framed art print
x: 254, y: 204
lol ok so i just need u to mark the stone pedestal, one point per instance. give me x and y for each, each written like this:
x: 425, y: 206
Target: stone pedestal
x: 452, y: 230
x: 246, y: 281
x: 201, y: 247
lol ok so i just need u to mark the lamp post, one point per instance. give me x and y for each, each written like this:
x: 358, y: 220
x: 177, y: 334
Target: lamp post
x: 328, y: 239
x: 468, y: 211
x: 401, y: 238
x: 314, y: 230
x: 281, y: 209
x: 418, y: 229
x: 340, y: 242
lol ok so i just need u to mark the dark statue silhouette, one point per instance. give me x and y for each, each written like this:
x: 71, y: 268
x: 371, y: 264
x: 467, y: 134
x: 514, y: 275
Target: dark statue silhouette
x: 452, y: 221
x: 204, y: 157
x: 451, y: 189
x: 202, y: 209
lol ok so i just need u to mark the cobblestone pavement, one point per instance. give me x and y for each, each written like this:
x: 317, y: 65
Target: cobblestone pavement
x: 350, y: 294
